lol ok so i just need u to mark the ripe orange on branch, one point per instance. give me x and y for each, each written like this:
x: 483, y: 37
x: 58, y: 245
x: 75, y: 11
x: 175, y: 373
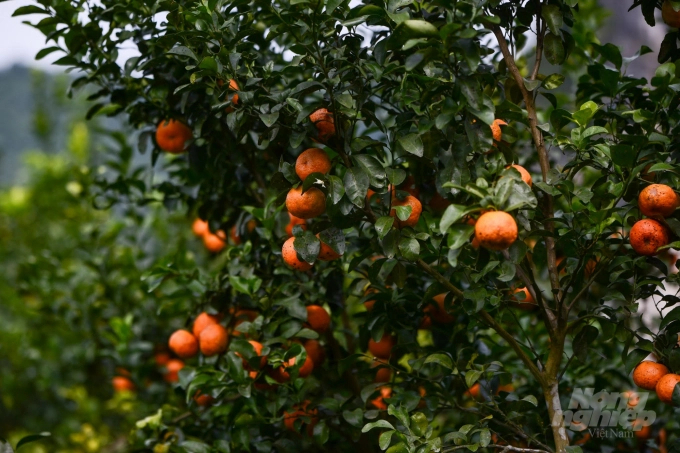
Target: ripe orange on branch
x: 312, y: 160
x: 295, y: 221
x: 383, y: 348
x: 290, y: 256
x: 326, y: 253
x: 658, y: 200
x: 647, y: 236
x: 414, y: 216
x: 318, y: 318
x: 213, y: 340
x: 670, y: 16
x: 324, y: 122
x: 171, y: 136
x: 282, y: 376
x: 526, y: 177
x: 172, y: 370
x: 215, y: 243
x: 315, y: 351
x: 122, y: 384
x: 183, y: 344
x: 647, y: 374
x: 204, y: 320
x: 306, y: 205
x: 496, y: 230
x: 289, y: 418
x: 200, y: 227
x: 665, y: 387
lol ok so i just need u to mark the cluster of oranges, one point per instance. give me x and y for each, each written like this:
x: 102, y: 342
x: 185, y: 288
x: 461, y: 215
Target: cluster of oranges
x: 657, y: 377
x: 656, y: 201
x: 215, y: 242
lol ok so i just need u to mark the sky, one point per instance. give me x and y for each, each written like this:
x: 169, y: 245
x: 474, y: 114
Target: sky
x: 20, y: 42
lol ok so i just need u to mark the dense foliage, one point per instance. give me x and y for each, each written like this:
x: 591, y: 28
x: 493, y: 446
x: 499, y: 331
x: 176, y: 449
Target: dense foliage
x: 414, y: 91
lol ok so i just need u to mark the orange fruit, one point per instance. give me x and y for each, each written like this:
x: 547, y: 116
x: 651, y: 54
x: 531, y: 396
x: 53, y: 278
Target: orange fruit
x: 290, y: 256
x: 496, y: 130
x: 161, y: 358
x: 370, y: 193
x: 295, y: 221
x: 183, y: 344
x: 379, y: 403
x: 289, y: 418
x: 312, y: 160
x: 200, y: 227
x: 642, y: 432
x: 122, y: 384
x: 383, y: 375
x: 203, y: 400
x: 281, y: 376
x: 496, y: 230
x: 315, y: 351
x: 416, y: 210
x: 528, y: 301
x: 670, y: 16
x: 204, y: 320
x: 324, y: 122
x: 647, y: 374
x: 369, y: 303
x: 475, y: 391
x: 215, y: 242
x: 306, y: 205
x: 234, y: 234
x: 171, y: 136
x: 318, y: 318
x: 438, y: 313
x: 665, y: 387
x: 526, y: 177
x: 591, y: 265
x: 327, y: 253
x: 234, y: 86
x: 172, y: 370
x: 632, y: 398
x: 213, y: 340
x: 647, y: 236
x: 383, y: 348
x: 658, y: 200
x: 257, y: 346
x: 507, y: 388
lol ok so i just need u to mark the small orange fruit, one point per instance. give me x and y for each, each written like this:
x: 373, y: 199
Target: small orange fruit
x: 234, y: 86
x: 200, y: 228
x: 379, y: 402
x: 658, y: 200
x: 475, y: 391
x: 306, y: 205
x: 383, y: 348
x: 324, y: 122
x: 315, y: 351
x: 647, y: 236
x: 171, y: 136
x: 496, y: 230
x: 183, y: 344
x: 202, y: 399
x: 122, y: 384
x: 213, y: 340
x: 383, y: 375
x: 665, y: 387
x: 312, y: 160
x: 416, y: 210
x: 290, y: 256
x: 295, y: 221
x: 215, y: 243
x: 327, y: 253
x: 496, y: 130
x: 172, y: 370
x: 318, y: 318
x: 234, y: 234
x: 670, y: 16
x: 257, y: 346
x: 437, y: 313
x: 647, y: 374
x: 204, y: 320
x: 289, y: 418
x: 528, y: 301
x: 161, y: 358
x: 526, y: 177
x: 282, y: 376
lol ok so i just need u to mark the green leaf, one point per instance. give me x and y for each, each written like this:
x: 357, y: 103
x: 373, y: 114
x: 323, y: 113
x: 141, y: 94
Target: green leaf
x: 307, y: 246
x: 383, y: 225
x: 634, y: 357
x: 413, y: 144
x: 403, y: 212
x: 440, y: 359
x: 623, y: 155
x: 354, y: 418
x: 585, y: 113
x: 452, y: 214
x: 356, y: 184
x: 373, y: 168
x: 553, y: 18
x: 192, y: 446
x: 553, y: 48
x: 378, y: 424
x: 400, y: 413
x: 471, y: 377
x: 32, y: 438
x: 553, y: 81
x: 269, y: 118
x: 385, y: 439
x: 183, y: 51
x: 29, y: 9
x: 335, y: 238
x: 409, y: 248
x: 336, y: 189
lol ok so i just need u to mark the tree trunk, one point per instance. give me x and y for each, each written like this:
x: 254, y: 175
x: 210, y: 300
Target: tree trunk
x: 551, y: 393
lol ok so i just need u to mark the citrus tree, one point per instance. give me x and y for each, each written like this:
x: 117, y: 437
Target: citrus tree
x: 429, y: 222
